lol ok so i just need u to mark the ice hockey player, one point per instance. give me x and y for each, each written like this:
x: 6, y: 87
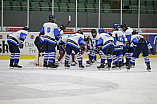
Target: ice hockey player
x: 142, y: 46
x: 62, y: 43
x: 105, y: 43
x: 73, y: 43
x: 51, y: 35
x: 119, y: 40
x: 130, y: 49
x: 15, y: 41
x: 91, y: 46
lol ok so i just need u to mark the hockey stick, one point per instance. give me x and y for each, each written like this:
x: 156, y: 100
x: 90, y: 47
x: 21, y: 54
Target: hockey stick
x: 68, y: 21
x: 66, y: 24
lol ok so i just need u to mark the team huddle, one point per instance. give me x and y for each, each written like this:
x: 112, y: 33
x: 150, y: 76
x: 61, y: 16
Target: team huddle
x: 114, y: 45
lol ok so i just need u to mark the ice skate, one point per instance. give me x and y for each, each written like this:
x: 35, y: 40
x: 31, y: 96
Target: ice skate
x: 128, y: 67
x: 81, y: 66
x: 102, y: 66
x: 45, y: 65
x: 73, y: 63
x: 109, y: 65
x: 149, y: 68
x: 67, y: 66
x: 114, y: 66
x: 120, y: 65
x: 52, y: 66
x: 11, y: 66
x: 16, y: 66
x: 89, y: 61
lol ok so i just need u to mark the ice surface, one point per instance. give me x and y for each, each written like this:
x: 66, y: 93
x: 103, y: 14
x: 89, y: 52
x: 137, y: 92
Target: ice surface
x: 33, y: 85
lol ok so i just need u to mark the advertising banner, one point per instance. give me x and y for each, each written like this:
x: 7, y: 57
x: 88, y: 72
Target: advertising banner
x: 29, y: 47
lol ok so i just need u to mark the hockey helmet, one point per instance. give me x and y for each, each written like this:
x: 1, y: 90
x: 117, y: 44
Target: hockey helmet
x: 93, y: 31
x: 134, y: 32
x: 25, y: 28
x: 116, y: 26
x: 101, y: 30
x: 51, y: 17
x: 86, y: 38
x: 62, y: 27
x: 80, y: 31
x: 124, y: 26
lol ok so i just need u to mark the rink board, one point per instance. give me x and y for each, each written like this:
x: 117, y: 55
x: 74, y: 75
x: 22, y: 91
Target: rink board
x: 29, y: 51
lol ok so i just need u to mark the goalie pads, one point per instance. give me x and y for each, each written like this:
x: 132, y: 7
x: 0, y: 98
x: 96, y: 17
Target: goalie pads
x: 39, y: 44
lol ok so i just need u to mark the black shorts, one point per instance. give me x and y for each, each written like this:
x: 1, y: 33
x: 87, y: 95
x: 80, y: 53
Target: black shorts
x: 49, y: 46
x: 69, y: 49
x: 13, y: 48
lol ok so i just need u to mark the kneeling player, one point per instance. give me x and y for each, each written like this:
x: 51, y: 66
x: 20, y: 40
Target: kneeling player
x: 91, y: 46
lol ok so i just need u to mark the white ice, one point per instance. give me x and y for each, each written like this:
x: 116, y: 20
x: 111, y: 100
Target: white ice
x: 33, y: 85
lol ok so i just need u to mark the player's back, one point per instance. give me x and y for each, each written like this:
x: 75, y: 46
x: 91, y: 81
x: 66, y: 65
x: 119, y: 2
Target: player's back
x: 16, y: 34
x: 136, y: 38
x: 106, y: 37
x: 129, y: 31
x: 49, y: 29
x: 76, y: 37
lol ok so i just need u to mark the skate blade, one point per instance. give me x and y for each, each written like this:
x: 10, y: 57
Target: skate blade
x: 109, y: 68
x: 101, y: 68
x: 45, y: 68
x: 149, y: 70
x: 16, y: 68
x: 117, y: 68
x: 81, y: 68
x: 73, y: 64
x: 11, y: 67
x: 67, y: 67
x: 52, y: 68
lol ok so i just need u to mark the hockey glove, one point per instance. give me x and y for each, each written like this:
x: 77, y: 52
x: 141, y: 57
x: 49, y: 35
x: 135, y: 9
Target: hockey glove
x: 82, y: 47
x: 152, y: 51
x: 128, y: 43
x: 21, y: 45
x: 98, y: 48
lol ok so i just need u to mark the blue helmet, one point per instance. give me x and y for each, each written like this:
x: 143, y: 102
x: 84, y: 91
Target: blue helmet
x: 51, y: 17
x: 101, y: 30
x: 116, y: 26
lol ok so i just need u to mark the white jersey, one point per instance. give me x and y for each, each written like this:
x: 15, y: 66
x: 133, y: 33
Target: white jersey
x: 64, y: 38
x: 92, y: 42
x: 74, y: 39
x: 128, y: 33
x: 49, y: 29
x: 121, y: 38
x: 16, y: 37
x: 106, y: 39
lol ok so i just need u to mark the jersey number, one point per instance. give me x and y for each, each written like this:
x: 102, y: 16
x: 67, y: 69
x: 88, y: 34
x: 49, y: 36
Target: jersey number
x: 48, y: 29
